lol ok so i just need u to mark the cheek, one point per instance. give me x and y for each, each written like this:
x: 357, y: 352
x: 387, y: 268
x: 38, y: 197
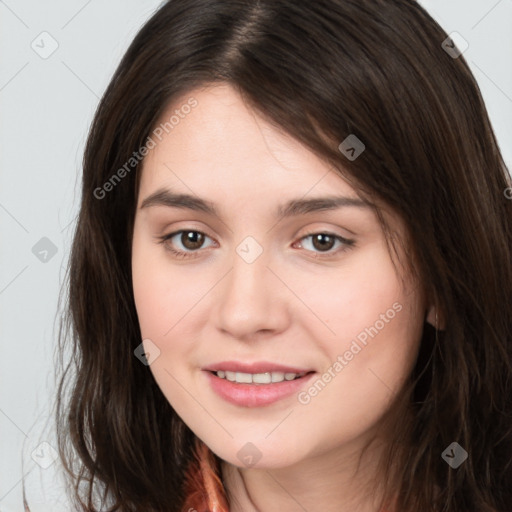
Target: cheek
x: 369, y: 318
x: 149, y: 290
x: 159, y: 307
x: 162, y: 291
x: 351, y: 298
x: 168, y: 304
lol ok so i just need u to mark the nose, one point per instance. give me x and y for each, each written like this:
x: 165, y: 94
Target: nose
x: 251, y: 300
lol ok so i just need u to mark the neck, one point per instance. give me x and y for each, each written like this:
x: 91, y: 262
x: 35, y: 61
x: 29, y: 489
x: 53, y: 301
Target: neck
x: 333, y: 481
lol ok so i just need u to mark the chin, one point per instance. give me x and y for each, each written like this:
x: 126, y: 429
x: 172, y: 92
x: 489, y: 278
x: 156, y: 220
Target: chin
x: 257, y: 455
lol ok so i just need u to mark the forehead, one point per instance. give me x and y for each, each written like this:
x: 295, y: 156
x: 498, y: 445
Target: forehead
x: 221, y: 143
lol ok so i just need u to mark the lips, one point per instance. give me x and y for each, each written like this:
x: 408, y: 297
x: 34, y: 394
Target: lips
x: 255, y: 395
x: 256, y: 367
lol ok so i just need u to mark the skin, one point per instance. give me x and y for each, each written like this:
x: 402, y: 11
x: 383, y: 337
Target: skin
x: 289, y: 306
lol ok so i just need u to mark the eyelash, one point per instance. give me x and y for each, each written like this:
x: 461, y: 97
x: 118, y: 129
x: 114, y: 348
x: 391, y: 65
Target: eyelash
x: 348, y: 244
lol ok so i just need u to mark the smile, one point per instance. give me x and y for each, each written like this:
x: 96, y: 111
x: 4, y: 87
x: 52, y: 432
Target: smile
x: 235, y: 387
x: 258, y: 378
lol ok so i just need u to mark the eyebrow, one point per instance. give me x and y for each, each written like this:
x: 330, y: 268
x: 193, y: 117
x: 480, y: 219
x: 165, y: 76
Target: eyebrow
x: 294, y: 207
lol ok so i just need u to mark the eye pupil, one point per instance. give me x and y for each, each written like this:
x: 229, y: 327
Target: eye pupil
x: 192, y: 239
x: 320, y: 238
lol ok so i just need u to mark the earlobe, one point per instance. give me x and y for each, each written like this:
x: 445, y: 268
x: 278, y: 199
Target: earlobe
x: 434, y: 318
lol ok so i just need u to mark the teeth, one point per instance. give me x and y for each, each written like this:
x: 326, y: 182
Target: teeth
x: 257, y: 378
x: 262, y: 378
x: 245, y: 378
x: 277, y: 376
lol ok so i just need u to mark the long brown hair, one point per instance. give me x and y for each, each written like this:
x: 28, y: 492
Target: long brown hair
x: 321, y: 70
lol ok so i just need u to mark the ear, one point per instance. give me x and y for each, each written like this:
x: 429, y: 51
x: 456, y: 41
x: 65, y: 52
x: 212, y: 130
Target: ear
x: 438, y: 323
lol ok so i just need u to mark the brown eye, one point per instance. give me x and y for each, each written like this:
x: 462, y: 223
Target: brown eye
x: 321, y: 244
x: 185, y: 243
x: 192, y: 239
x: 323, y: 241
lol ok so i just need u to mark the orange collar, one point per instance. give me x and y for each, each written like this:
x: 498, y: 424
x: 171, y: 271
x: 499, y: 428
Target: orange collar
x: 204, y: 490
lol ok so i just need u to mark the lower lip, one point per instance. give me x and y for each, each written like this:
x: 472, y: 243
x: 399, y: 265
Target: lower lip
x: 255, y: 395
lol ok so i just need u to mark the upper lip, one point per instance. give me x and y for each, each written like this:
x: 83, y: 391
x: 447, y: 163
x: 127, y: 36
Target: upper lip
x: 256, y: 367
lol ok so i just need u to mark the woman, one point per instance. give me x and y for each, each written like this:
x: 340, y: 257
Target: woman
x: 290, y: 279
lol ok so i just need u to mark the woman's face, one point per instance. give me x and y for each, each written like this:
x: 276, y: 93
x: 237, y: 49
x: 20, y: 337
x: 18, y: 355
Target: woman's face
x: 273, y: 276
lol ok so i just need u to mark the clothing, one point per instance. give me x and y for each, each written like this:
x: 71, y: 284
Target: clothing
x: 204, y: 489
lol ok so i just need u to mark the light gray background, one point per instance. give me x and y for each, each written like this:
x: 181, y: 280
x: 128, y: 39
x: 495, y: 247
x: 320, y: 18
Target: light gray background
x: 46, y: 108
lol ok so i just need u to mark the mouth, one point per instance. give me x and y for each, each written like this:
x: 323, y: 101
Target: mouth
x: 258, y: 378
x: 250, y: 390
